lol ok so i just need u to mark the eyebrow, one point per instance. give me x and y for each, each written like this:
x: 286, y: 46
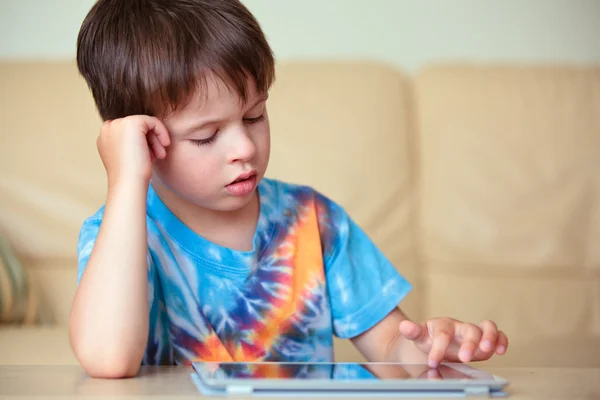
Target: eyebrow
x: 200, y: 124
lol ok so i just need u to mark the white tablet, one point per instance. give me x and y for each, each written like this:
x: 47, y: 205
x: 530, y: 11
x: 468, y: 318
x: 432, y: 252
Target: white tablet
x: 263, y: 378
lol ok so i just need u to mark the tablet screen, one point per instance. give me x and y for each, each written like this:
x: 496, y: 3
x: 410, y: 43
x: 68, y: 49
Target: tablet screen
x: 331, y: 371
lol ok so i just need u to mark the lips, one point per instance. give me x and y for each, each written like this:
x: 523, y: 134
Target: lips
x: 243, y: 177
x: 243, y: 184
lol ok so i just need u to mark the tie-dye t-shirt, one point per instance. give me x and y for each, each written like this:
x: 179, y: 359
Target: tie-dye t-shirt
x: 312, y: 274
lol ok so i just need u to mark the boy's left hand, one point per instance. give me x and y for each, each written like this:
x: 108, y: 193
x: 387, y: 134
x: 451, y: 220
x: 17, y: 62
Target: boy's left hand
x: 446, y: 339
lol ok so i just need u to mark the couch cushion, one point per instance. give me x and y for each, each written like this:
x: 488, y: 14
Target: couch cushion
x: 50, y: 346
x: 56, y: 280
x: 510, y: 204
x: 35, y: 346
x: 551, y: 320
x: 19, y: 303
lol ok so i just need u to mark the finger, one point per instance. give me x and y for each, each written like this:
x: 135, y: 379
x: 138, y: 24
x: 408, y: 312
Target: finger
x: 412, y: 331
x: 434, y: 374
x: 502, y: 344
x: 490, y: 335
x: 159, y: 129
x: 471, y: 336
x: 157, y: 148
x: 442, y: 334
x: 430, y: 373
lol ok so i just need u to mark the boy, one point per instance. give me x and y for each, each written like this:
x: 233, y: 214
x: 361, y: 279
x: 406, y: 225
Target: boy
x: 197, y: 256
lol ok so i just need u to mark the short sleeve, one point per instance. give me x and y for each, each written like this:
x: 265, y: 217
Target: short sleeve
x: 87, y: 239
x: 363, y: 285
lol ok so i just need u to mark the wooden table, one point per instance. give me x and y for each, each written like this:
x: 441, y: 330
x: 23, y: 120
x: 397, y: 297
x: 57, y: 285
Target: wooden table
x: 71, y: 382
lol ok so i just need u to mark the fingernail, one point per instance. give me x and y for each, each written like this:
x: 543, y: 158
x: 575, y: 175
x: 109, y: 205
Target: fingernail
x: 486, y: 345
x: 432, y: 364
x: 465, y: 355
x: 501, y: 349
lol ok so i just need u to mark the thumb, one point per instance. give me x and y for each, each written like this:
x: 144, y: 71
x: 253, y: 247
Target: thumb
x: 413, y: 331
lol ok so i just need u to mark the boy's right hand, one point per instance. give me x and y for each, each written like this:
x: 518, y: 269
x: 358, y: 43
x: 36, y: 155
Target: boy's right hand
x: 129, y: 145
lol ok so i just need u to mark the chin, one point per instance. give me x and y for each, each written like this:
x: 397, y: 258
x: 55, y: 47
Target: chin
x: 236, y: 203
x: 225, y: 204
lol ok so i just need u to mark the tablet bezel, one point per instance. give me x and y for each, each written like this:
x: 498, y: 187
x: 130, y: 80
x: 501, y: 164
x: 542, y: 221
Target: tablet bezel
x: 477, y: 379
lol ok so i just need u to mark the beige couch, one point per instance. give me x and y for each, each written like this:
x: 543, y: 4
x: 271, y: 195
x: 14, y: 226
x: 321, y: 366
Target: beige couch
x: 481, y: 183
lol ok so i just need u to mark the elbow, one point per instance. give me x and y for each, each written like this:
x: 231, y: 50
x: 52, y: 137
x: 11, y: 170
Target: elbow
x: 104, y: 366
x: 106, y: 362
x: 106, y: 353
x: 109, y: 369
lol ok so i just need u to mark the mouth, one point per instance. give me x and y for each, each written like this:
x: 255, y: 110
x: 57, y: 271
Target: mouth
x: 244, y: 177
x: 243, y: 185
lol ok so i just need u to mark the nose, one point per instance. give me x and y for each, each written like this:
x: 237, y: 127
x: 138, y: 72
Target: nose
x: 243, y: 148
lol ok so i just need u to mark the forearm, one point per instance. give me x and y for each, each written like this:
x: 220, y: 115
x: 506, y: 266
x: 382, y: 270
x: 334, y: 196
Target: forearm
x: 109, y: 317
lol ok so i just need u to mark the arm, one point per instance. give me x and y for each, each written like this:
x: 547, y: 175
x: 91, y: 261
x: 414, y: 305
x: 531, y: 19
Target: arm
x: 109, y: 316
x: 397, y: 339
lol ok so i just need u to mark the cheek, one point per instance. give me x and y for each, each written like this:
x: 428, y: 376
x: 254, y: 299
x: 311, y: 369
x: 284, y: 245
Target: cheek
x: 263, y: 142
x: 267, y: 149
x: 185, y: 164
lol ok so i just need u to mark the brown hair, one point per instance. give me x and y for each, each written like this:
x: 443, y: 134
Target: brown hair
x: 149, y: 56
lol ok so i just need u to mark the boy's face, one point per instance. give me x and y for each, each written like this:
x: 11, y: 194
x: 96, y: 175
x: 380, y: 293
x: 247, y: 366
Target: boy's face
x: 219, y: 149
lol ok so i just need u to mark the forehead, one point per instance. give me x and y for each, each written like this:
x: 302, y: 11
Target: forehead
x: 213, y: 94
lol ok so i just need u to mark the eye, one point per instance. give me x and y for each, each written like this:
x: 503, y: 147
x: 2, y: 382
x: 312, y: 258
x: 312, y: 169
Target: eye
x: 254, y: 120
x: 204, y: 142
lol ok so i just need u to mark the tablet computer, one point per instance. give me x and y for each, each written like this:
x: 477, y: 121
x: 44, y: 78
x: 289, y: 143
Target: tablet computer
x: 229, y: 378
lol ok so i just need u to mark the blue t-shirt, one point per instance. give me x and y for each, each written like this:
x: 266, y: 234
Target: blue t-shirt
x: 312, y: 273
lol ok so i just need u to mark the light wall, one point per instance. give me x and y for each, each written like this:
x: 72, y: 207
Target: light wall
x: 403, y: 32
